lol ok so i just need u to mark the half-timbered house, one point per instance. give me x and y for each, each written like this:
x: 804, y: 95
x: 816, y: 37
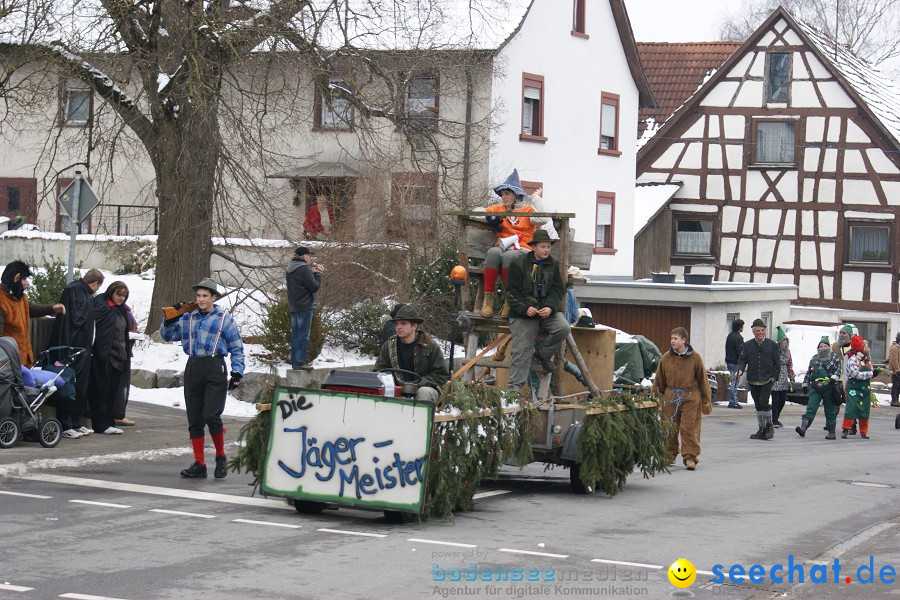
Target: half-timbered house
x: 784, y: 168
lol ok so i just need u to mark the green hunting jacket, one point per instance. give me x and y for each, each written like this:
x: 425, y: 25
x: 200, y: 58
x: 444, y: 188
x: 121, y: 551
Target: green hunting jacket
x: 427, y: 357
x: 519, y: 285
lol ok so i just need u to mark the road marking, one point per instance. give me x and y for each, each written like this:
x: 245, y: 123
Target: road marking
x: 530, y: 553
x: 856, y: 540
x: 26, y: 495
x: 704, y: 572
x: 456, y: 544
x: 360, y: 533
x: 488, y: 494
x: 14, y: 588
x: 252, y: 522
x: 157, y: 491
x: 181, y: 513
x: 626, y: 564
x: 867, y: 484
x: 92, y: 503
x: 87, y: 597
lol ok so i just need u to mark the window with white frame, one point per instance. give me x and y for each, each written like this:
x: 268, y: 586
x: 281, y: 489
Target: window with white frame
x: 869, y: 243
x: 774, y: 143
x: 422, y: 100
x: 75, y: 102
x: 778, y: 77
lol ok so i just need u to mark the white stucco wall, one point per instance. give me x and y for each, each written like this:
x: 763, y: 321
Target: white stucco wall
x: 575, y: 72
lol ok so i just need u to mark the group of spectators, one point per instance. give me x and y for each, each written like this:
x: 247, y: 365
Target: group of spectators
x: 96, y: 324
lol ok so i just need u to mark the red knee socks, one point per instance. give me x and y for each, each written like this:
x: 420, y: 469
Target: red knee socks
x: 197, y: 444
x: 219, y: 442
x: 490, y: 279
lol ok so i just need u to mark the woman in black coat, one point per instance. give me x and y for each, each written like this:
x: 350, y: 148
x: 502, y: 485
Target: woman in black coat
x: 111, y: 355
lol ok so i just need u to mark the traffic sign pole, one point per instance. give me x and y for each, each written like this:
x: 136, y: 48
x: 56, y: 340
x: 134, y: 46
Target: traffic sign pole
x: 74, y: 225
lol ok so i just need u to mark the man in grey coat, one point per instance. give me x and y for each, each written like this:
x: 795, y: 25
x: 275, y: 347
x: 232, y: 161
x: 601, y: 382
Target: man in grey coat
x: 761, y: 361
x: 303, y: 280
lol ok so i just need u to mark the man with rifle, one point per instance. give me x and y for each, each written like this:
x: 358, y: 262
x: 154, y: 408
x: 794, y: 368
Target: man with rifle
x: 208, y: 334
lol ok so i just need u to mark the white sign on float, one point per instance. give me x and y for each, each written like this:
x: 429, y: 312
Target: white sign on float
x: 352, y: 449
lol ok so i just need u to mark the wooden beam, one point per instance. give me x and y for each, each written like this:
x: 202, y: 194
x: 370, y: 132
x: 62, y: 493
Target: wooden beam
x: 500, y: 339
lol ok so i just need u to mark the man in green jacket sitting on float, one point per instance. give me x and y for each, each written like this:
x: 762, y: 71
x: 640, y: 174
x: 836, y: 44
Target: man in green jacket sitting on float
x: 414, y: 350
x: 535, y: 293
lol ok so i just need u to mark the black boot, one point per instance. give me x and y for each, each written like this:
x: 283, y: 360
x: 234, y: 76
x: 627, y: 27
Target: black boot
x: 844, y: 433
x: 853, y: 429
x: 804, y: 425
x: 195, y: 470
x: 759, y: 435
x: 769, y: 432
x: 830, y: 435
x: 221, y: 470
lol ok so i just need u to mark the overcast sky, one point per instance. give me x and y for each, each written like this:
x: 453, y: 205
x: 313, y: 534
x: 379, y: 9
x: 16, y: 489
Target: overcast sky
x: 678, y: 20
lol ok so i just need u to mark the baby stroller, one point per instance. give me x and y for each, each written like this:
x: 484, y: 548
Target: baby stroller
x: 57, y: 360
x: 19, y: 404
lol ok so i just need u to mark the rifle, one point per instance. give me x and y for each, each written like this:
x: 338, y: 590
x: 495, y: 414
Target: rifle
x: 179, y: 308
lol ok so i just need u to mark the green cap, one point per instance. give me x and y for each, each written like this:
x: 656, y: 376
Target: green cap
x: 407, y: 313
x: 848, y: 328
x: 780, y: 334
x: 825, y: 340
x: 541, y: 236
x: 207, y: 283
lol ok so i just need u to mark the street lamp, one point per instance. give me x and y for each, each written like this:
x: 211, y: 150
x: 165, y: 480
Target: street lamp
x: 458, y: 277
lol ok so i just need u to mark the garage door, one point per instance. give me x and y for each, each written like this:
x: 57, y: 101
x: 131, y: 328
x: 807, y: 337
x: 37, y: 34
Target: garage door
x: 653, y: 322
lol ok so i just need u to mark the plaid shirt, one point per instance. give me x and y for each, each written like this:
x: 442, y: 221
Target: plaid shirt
x: 199, y: 332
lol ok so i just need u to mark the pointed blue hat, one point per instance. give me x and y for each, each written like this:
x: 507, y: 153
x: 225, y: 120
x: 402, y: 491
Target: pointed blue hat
x: 511, y: 183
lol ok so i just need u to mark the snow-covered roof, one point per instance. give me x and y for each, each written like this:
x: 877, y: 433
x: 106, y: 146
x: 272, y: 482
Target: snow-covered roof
x: 363, y: 24
x: 879, y: 93
x: 422, y: 24
x: 649, y: 199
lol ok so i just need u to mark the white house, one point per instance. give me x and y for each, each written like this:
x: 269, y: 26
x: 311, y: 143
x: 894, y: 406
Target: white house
x: 554, y: 91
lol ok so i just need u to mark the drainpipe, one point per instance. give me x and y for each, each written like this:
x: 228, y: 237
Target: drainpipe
x: 466, y: 142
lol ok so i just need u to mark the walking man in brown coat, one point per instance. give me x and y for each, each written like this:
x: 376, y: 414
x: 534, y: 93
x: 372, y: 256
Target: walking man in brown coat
x: 681, y: 379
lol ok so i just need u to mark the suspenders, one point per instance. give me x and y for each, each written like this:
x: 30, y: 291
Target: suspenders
x: 191, y: 334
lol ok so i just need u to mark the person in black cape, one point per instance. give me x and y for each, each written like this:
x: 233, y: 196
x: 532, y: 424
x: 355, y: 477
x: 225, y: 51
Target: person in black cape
x: 110, y: 355
x: 75, y: 328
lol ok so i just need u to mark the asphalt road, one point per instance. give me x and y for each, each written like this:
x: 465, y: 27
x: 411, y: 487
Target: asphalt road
x: 126, y: 526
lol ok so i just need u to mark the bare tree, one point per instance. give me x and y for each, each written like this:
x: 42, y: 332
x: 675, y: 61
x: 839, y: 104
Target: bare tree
x: 867, y: 27
x: 208, y: 93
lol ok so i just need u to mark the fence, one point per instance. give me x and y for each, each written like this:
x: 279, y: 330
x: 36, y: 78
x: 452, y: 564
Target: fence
x: 126, y: 219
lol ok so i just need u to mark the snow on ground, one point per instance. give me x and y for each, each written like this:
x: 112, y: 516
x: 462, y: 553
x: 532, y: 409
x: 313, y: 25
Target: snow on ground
x: 174, y: 397
x: 246, y: 307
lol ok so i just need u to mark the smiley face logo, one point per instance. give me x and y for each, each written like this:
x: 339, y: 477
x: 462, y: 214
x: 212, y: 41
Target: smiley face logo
x: 682, y: 573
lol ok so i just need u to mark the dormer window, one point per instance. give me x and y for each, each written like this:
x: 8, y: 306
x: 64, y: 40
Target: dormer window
x: 778, y: 77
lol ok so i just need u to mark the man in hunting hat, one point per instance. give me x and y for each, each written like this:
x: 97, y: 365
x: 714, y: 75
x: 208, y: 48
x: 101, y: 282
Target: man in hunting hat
x: 536, y: 292
x: 761, y: 361
x: 208, y: 334
x: 414, y: 350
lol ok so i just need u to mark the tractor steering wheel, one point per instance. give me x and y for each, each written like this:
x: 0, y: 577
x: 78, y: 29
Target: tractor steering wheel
x: 416, y: 378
